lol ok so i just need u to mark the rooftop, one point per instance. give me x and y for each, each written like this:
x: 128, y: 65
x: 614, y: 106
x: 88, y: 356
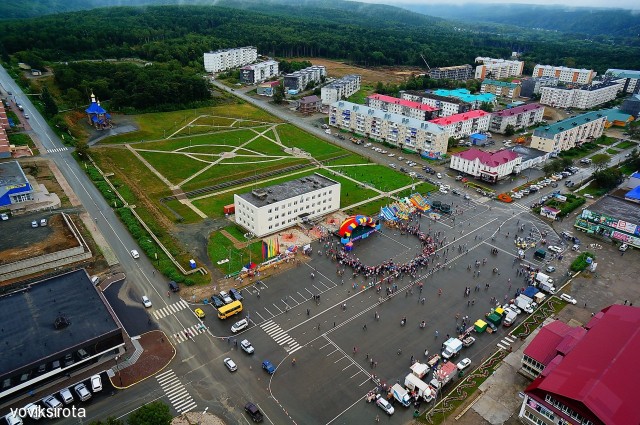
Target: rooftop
x: 549, y: 131
x: 623, y: 73
x: 230, y: 49
x: 518, y: 110
x: 28, y: 316
x: 342, y: 81
x: 260, y: 64
x: 527, y: 153
x: 465, y: 95
x: 447, y: 68
x: 11, y: 174
x: 615, y: 114
x: 452, y: 119
x: 500, y: 83
x: 617, y: 208
x: 633, y: 194
x: 286, y: 190
x: 490, y: 159
x: 310, y: 99
x: 436, y: 97
x: 563, y: 68
x: 403, y: 102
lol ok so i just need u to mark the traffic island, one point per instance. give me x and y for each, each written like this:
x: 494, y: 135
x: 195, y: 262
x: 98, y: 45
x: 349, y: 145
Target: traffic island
x: 153, y: 353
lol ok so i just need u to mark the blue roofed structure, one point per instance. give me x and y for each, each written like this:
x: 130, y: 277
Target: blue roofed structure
x: 466, y: 96
x: 633, y: 195
x: 97, y: 115
x: 14, y: 186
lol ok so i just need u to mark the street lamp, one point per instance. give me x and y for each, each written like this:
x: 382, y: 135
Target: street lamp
x: 119, y: 373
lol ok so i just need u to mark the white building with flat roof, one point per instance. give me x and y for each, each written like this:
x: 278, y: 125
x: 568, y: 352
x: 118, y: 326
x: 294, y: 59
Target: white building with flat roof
x: 225, y: 59
x: 564, y: 74
x: 568, y: 133
x: 398, y: 130
x: 275, y: 208
x: 628, y: 78
x: 498, y: 68
x: 446, y: 105
x: 465, y: 124
x: 580, y: 97
x: 409, y: 108
x: 519, y: 118
x: 340, y: 89
x: 298, y: 80
x: 259, y: 72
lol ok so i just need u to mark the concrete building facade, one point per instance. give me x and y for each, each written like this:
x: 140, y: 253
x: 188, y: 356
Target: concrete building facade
x: 631, y: 106
x: 500, y: 88
x: 309, y: 104
x: 340, y: 89
x: 14, y: 185
x: 446, y: 105
x: 458, y: 72
x: 259, y: 72
x: 564, y: 74
x: 225, y: 59
x: 532, y: 86
x: 275, y: 208
x: 629, y: 79
x: 409, y: 108
x: 580, y: 97
x: 398, y: 130
x: 571, y: 132
x: 462, y: 125
x: 519, y: 117
x: 488, y: 166
x: 498, y: 68
x: 298, y: 80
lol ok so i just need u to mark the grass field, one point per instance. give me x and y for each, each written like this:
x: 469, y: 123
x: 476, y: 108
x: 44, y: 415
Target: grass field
x: 370, y: 208
x: 229, y: 138
x: 294, y: 137
x: 606, y: 141
x: 348, y: 160
x: 626, y: 145
x: 220, y: 247
x: 383, y: 178
x: 612, y: 151
x: 360, y: 96
x: 172, y: 166
x: 350, y: 191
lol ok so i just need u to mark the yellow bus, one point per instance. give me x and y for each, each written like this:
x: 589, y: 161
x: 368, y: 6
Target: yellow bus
x: 229, y: 310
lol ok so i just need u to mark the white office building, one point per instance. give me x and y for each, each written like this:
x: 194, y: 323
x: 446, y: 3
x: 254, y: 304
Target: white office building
x: 225, y: 59
x: 398, y: 130
x: 446, y: 105
x: 580, y: 97
x: 340, y: 89
x: 275, y: 208
x: 298, y: 80
x: 568, y: 133
x: 498, y: 68
x: 462, y: 125
x: 259, y: 72
x: 628, y: 78
x: 564, y: 74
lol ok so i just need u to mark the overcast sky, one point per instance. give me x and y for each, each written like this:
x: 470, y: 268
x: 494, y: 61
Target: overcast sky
x: 627, y: 4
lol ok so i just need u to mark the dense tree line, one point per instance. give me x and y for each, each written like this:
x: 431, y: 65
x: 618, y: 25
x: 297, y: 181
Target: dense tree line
x: 291, y: 66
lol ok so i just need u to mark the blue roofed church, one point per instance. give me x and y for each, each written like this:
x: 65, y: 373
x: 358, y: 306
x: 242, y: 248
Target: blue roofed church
x: 98, y: 117
x: 14, y: 186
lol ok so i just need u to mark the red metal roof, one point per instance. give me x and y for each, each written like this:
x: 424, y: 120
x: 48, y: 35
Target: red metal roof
x: 403, y: 102
x: 452, y: 119
x: 543, y: 347
x: 599, y: 376
x: 490, y: 159
x: 518, y: 110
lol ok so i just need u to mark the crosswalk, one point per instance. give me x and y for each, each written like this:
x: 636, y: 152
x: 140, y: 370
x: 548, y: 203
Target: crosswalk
x: 176, y: 392
x: 506, y: 342
x: 188, y: 333
x: 57, y: 150
x: 280, y: 337
x: 170, y: 309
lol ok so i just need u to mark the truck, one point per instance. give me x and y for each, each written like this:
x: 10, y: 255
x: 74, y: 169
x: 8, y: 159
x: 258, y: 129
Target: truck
x: 413, y: 383
x: 494, y: 318
x: 443, y: 375
x: 545, y: 283
x: 547, y: 287
x: 524, y: 303
x: 401, y: 395
x: 419, y: 369
x: 509, y: 318
x: 451, y: 348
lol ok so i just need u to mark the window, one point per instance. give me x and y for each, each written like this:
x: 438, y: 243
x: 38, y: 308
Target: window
x: 270, y: 210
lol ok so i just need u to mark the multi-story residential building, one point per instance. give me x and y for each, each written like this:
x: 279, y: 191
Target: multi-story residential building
x: 298, y: 80
x: 564, y: 74
x: 568, y: 133
x: 267, y: 89
x: 309, y: 104
x: 446, y: 105
x: 458, y: 72
x: 500, y: 88
x: 488, y: 166
x: 631, y: 106
x: 580, y: 97
x: 259, y: 72
x: 462, y: 125
x: 476, y: 100
x: 222, y: 60
x: 498, y: 68
x: 519, y: 117
x: 565, y: 391
x: 275, y: 208
x: 629, y: 79
x: 5, y: 147
x: 407, y: 133
x: 532, y: 86
x: 409, y: 108
x: 340, y: 89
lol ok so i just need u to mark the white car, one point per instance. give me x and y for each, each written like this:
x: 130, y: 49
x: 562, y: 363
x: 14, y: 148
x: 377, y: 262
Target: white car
x: 96, y: 383
x: 52, y: 402
x: 66, y: 396
x: 588, y: 196
x: 246, y: 346
x: 392, y: 166
x: 384, y: 405
x: 367, y: 145
x: 446, y: 186
x: 439, y: 175
x: 82, y: 392
x: 225, y: 297
x: 146, y: 301
x: 4, y: 217
x: 135, y: 254
x: 230, y: 364
x: 443, y: 190
x: 32, y: 410
x: 240, y: 325
x: 550, y: 269
x: 383, y: 152
x: 623, y: 247
x: 391, y: 155
x: 568, y: 298
x: 554, y: 248
x: 12, y: 419
x: 464, y: 363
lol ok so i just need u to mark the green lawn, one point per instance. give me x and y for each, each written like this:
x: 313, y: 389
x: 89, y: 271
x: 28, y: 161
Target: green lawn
x: 188, y: 215
x: 370, y: 208
x: 294, y: 137
x: 348, y: 160
x: 254, y: 161
x: 626, y: 145
x: 579, y: 152
x: 606, y: 141
x: 231, y: 138
x: 421, y: 188
x: 20, y: 139
x: 350, y: 191
x: 211, y: 121
x: 592, y: 189
x: 382, y: 177
x: 360, y: 96
x: 265, y: 146
x: 612, y: 151
x: 174, y: 167
x: 220, y: 248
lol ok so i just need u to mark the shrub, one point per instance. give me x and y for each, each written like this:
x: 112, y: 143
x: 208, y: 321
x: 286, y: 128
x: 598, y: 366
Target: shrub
x: 580, y: 263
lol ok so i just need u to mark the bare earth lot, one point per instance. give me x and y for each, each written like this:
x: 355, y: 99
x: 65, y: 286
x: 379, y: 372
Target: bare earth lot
x: 369, y: 76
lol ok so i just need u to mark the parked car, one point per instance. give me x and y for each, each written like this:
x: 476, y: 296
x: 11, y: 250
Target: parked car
x: 246, y: 346
x: 392, y: 165
x: 623, y: 247
x: 550, y: 269
x: 52, y: 402
x: 4, y: 217
x: 235, y: 294
x: 588, y: 196
x: 34, y: 223
x: 66, y: 396
x: 239, y: 325
x: 555, y: 249
x: 230, y: 364
x: 199, y: 313
x: 254, y: 412
x: 146, y: 301
x: 568, y: 298
x: 464, y: 363
x: 225, y: 297
x: 217, y: 302
x: 439, y: 175
x: 82, y: 392
x: 96, y: 383
x: 173, y: 287
x: 384, y: 405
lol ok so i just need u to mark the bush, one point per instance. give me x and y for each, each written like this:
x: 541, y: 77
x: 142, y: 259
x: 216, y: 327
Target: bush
x: 569, y: 206
x: 580, y: 263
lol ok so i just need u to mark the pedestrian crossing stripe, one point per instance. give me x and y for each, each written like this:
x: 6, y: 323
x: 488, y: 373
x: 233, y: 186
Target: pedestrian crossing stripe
x: 280, y: 337
x: 170, y: 309
x: 194, y: 330
x: 57, y: 150
x: 175, y: 391
x: 501, y: 347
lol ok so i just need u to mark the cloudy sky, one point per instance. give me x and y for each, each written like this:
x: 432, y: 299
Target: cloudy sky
x: 627, y: 4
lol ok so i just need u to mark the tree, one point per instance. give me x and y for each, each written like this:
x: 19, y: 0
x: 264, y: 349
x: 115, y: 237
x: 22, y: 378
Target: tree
x: 486, y: 106
x: 82, y: 149
x: 600, y: 160
x: 278, y: 94
x: 156, y: 413
x: 608, y: 178
x: 108, y: 421
x: 566, y: 162
x: 509, y: 130
x: 50, y: 107
x: 452, y: 143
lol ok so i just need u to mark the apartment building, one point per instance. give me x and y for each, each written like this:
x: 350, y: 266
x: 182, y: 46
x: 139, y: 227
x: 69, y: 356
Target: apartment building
x: 225, y: 59
x: 580, y: 97
x: 564, y: 74
x: 398, y: 130
x: 298, y: 80
x: 259, y: 72
x: 475, y: 100
x: 340, y: 89
x: 500, y: 88
x: 458, y: 72
x: 532, y: 86
x: 568, y: 133
x: 488, y: 166
x: 629, y: 79
x: 497, y: 68
x: 445, y: 105
x: 462, y: 125
x: 275, y: 208
x: 519, y: 117
x: 408, y: 108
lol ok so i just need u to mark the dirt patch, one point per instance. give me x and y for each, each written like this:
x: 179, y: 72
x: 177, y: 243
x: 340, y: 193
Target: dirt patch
x: 369, y: 75
x: 197, y: 418
x: 158, y: 352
